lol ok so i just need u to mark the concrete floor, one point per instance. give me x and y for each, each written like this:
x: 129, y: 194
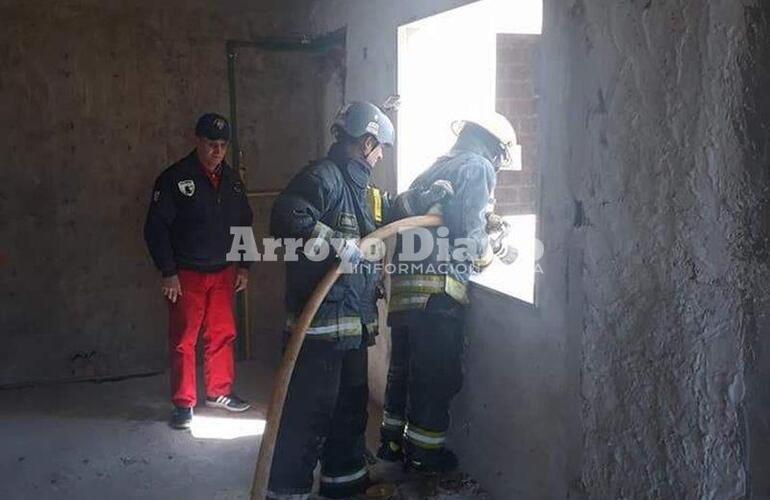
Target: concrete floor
x: 110, y: 440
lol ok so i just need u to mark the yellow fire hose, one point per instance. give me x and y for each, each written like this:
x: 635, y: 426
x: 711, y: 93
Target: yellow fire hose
x: 281, y: 385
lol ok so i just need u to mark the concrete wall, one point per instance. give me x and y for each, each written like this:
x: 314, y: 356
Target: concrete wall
x: 96, y: 98
x: 755, y: 73
x: 513, y: 424
x: 650, y: 174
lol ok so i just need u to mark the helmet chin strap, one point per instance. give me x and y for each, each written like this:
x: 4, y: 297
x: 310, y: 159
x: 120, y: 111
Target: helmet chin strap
x: 503, y: 157
x: 368, y: 156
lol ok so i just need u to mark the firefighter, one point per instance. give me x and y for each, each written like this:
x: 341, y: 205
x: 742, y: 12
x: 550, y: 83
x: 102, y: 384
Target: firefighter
x: 331, y: 204
x: 194, y: 203
x: 429, y: 297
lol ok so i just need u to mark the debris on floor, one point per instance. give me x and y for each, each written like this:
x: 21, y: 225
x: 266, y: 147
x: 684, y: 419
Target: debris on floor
x: 393, y: 484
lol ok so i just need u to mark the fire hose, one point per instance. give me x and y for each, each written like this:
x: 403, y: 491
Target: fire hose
x: 293, y: 346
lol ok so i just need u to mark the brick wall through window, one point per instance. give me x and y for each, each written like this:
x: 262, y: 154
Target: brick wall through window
x: 517, y: 100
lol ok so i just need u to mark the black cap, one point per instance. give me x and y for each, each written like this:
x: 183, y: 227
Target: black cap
x: 213, y: 126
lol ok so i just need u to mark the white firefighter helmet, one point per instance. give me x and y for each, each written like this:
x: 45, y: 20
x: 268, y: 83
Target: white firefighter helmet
x: 497, y: 126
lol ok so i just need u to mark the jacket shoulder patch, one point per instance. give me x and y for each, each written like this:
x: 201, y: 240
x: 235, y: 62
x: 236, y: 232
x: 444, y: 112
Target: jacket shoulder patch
x: 187, y: 187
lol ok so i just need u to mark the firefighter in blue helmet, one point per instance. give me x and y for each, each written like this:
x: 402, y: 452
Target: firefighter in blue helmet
x: 330, y: 204
x: 428, y: 297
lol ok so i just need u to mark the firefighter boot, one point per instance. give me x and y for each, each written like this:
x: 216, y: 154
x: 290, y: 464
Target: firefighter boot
x: 391, y: 451
x: 424, y: 461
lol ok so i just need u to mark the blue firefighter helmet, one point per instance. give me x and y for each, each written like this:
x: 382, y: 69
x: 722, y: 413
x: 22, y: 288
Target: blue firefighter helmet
x: 359, y: 118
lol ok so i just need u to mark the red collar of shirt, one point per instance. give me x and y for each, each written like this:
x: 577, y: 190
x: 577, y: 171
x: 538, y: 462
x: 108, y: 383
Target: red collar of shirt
x: 214, y: 176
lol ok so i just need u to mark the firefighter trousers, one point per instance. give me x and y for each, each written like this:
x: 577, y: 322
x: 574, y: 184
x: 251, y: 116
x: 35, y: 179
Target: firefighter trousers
x: 425, y: 373
x: 324, y: 418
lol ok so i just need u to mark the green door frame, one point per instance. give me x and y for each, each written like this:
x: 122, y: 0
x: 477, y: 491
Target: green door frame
x: 303, y: 43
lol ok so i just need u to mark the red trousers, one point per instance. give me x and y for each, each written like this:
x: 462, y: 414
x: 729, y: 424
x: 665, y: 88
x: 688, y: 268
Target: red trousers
x: 206, y: 304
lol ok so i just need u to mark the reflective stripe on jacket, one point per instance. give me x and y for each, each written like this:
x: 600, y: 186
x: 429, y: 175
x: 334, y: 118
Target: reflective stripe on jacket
x: 473, y: 179
x: 413, y: 291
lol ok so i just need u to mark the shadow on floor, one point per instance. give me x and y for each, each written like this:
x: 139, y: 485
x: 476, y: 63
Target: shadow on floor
x: 144, y: 398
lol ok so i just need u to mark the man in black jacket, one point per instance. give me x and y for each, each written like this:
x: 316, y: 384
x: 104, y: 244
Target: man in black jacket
x: 194, y: 204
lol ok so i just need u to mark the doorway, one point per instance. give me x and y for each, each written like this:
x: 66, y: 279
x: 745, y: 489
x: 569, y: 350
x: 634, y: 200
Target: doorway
x: 283, y: 95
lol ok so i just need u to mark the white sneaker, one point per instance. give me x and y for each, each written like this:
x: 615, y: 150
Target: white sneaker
x: 230, y: 402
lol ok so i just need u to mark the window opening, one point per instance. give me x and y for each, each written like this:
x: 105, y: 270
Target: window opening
x: 448, y: 70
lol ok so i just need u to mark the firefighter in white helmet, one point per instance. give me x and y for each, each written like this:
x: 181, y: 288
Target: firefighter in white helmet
x: 429, y: 297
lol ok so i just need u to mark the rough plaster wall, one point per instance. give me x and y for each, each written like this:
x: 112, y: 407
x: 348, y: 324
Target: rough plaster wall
x: 648, y: 147
x: 96, y: 98
x: 509, y: 422
x: 756, y: 74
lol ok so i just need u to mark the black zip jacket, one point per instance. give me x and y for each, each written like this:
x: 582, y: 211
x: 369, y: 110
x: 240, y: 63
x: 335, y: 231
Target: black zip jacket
x: 332, y: 192
x: 188, y: 223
